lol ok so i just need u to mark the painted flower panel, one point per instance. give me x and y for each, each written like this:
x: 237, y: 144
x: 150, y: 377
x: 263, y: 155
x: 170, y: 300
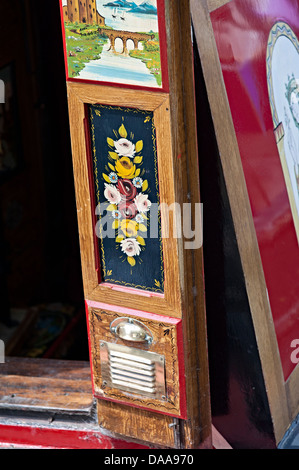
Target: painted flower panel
x: 126, y: 189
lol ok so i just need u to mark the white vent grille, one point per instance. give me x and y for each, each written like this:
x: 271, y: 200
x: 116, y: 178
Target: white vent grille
x: 133, y: 370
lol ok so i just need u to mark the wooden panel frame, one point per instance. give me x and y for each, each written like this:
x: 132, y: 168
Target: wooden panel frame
x: 179, y: 182
x: 167, y: 340
x: 79, y: 95
x: 282, y: 396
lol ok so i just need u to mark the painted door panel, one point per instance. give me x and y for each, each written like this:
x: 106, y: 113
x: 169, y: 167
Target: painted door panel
x: 242, y: 31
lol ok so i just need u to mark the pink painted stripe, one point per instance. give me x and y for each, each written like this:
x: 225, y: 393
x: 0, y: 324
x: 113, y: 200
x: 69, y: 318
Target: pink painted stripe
x: 129, y: 311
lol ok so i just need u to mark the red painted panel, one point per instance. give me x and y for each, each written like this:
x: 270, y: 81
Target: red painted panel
x: 241, y: 31
x: 61, y: 438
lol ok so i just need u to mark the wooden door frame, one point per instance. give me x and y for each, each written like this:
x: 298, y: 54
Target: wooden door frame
x: 79, y: 96
x: 195, y: 431
x: 184, y: 295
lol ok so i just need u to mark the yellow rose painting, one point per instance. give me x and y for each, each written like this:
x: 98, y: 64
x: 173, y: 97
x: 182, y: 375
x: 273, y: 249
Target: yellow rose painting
x: 125, y: 168
x: 126, y: 193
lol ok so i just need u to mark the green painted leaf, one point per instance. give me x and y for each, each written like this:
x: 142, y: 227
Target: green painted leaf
x: 139, y: 145
x: 113, y: 155
x: 144, y: 185
x: 131, y: 260
x: 142, y: 228
x: 138, y: 160
x: 140, y: 240
x: 106, y: 178
x: 122, y: 132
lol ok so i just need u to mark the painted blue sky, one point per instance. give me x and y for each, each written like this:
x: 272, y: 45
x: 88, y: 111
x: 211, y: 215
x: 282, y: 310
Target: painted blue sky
x: 102, y: 2
x: 134, y: 21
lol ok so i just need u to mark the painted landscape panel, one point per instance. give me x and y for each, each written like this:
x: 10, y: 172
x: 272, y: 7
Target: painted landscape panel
x: 113, y: 41
x: 126, y: 190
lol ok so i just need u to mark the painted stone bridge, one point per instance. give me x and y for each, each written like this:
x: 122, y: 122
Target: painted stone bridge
x: 113, y: 34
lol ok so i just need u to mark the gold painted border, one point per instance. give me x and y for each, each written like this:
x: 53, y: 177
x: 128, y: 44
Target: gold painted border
x: 95, y: 162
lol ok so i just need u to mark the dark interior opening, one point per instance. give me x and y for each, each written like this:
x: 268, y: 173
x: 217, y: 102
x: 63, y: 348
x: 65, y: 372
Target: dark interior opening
x: 239, y: 405
x: 42, y: 302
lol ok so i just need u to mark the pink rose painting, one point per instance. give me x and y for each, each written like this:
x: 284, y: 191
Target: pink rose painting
x: 125, y: 191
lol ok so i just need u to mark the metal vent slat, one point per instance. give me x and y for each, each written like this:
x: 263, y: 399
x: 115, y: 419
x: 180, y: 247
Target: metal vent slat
x: 131, y: 363
x: 139, y: 380
x: 133, y: 370
x: 134, y: 387
x: 131, y: 357
x: 120, y: 374
x: 147, y: 378
x: 149, y: 372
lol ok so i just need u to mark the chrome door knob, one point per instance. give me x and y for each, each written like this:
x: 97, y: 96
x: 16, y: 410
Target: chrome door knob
x: 129, y: 329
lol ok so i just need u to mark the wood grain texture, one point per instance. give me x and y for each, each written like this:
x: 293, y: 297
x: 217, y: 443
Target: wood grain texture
x: 28, y: 367
x: 82, y: 191
x: 165, y: 342
x: 175, y: 122
x: 78, y: 96
x: 95, y: 94
x: 46, y: 385
x: 158, y: 430
x: 292, y: 393
x: 215, y: 4
x: 242, y: 218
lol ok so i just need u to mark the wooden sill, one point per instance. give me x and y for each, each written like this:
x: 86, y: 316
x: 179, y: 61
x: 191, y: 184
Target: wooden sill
x: 57, y: 386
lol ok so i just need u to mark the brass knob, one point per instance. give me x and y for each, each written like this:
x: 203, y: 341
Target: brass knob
x: 129, y: 329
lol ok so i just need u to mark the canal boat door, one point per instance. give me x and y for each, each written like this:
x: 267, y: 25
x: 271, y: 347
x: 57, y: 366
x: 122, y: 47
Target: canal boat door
x: 133, y: 130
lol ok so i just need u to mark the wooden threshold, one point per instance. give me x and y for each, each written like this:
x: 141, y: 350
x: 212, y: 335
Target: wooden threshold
x: 46, y: 385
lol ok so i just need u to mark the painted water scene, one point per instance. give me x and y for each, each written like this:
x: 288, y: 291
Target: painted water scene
x: 113, y: 41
